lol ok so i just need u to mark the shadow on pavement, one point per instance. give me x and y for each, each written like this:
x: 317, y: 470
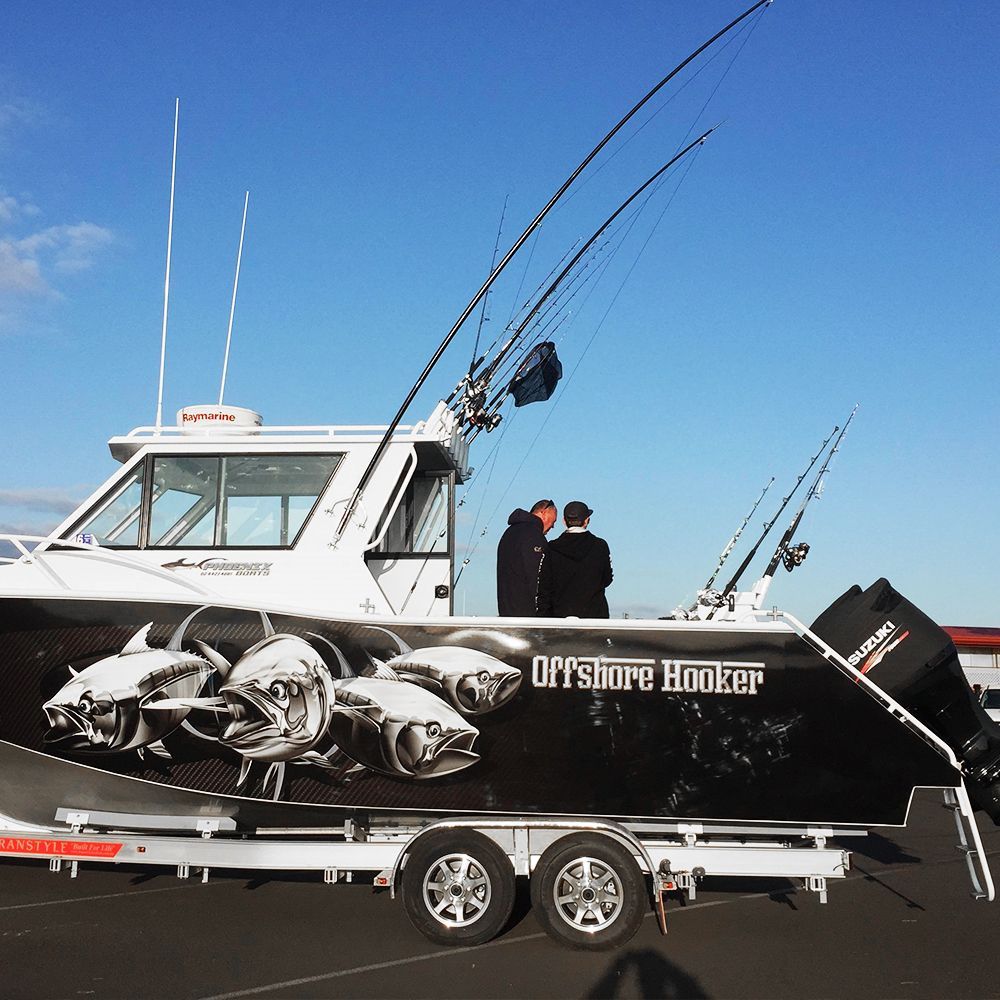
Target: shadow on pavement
x: 911, y: 904
x: 651, y: 972
x: 880, y: 849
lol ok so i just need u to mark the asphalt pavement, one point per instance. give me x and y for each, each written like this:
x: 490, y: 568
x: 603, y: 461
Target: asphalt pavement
x: 902, y: 924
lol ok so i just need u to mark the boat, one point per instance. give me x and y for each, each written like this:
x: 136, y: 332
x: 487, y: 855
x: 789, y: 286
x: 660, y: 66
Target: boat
x: 253, y: 626
x: 192, y: 639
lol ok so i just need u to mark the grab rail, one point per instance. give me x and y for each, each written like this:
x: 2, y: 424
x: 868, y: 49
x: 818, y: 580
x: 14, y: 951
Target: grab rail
x: 959, y: 800
x: 35, y: 556
x: 271, y: 430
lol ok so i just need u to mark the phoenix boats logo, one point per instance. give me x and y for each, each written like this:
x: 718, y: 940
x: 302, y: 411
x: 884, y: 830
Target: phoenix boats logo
x: 217, y: 566
x: 882, y: 642
x: 600, y: 673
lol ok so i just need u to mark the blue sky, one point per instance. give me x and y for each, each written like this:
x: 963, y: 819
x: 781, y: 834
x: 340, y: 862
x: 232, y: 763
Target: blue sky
x: 834, y: 242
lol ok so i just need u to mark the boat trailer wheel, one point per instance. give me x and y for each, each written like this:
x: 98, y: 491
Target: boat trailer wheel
x: 458, y: 887
x: 588, y: 892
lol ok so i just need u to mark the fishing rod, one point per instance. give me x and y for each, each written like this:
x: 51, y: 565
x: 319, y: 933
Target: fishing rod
x: 466, y: 379
x: 731, y: 544
x: 597, y: 273
x: 491, y: 416
x: 490, y: 376
x: 495, y: 363
x: 794, y: 555
x: 479, y: 387
x: 729, y: 587
x: 532, y: 226
x: 505, y: 367
x: 486, y: 297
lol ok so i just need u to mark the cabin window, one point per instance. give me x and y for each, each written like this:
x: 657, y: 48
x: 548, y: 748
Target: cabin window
x: 183, y: 496
x: 266, y: 499
x: 116, y: 519
x: 419, y: 525
x: 211, y: 501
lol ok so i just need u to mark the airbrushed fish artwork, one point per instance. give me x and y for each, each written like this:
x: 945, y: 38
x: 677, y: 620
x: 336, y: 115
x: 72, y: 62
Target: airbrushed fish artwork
x: 401, y: 730
x: 471, y: 681
x: 283, y: 701
x: 128, y: 701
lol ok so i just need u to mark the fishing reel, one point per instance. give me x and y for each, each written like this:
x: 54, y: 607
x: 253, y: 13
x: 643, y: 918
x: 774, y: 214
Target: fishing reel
x: 711, y: 598
x: 794, y: 555
x: 477, y: 415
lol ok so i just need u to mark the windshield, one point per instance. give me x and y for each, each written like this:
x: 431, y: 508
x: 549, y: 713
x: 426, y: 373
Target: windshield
x: 210, y: 501
x: 991, y: 698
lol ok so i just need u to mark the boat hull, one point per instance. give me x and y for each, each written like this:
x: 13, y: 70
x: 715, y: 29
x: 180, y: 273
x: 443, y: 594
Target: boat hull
x: 280, y: 720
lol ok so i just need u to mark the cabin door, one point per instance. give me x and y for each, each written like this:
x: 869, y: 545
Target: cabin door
x: 413, y: 564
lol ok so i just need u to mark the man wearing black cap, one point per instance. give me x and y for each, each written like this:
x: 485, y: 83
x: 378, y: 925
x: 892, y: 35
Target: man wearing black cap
x: 576, y: 570
x: 520, y: 554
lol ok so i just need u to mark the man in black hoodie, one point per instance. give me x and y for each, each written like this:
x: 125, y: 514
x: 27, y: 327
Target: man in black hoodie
x: 519, y: 557
x: 576, y: 570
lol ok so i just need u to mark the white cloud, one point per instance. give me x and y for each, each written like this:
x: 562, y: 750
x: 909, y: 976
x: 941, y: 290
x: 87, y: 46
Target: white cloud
x: 17, y: 111
x: 25, y: 527
x: 19, y: 273
x: 50, y: 500
x: 29, y: 263
x: 72, y: 248
x: 36, y: 260
x: 11, y: 209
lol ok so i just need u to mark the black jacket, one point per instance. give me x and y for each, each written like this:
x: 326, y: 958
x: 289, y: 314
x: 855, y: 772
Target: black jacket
x: 576, y: 570
x: 519, y: 555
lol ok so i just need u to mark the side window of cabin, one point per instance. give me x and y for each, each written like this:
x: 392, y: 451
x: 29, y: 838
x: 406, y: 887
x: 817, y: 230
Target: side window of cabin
x: 419, y: 525
x: 267, y: 498
x: 115, y: 520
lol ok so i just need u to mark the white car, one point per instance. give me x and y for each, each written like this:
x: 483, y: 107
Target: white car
x: 990, y: 700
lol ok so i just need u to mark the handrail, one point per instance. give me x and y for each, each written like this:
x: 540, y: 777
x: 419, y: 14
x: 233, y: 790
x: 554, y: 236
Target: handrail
x: 405, y: 478
x: 960, y: 792
x: 887, y: 701
x: 328, y: 430
x: 35, y: 557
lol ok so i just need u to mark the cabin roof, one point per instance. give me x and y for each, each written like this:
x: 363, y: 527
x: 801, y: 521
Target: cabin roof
x: 440, y: 433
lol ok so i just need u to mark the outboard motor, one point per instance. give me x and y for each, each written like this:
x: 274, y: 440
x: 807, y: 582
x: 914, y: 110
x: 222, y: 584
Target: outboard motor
x: 887, y: 638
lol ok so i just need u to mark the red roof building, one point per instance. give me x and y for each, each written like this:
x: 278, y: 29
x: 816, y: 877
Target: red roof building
x: 978, y: 652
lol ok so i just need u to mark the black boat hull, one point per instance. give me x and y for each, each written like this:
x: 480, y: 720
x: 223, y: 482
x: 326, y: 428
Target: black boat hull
x: 688, y: 721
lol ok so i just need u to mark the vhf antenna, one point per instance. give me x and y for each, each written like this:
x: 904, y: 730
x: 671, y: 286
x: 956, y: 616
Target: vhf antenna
x: 232, y: 307
x: 166, y: 280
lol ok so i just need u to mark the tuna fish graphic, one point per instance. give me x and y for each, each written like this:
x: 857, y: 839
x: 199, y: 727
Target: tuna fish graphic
x: 277, y: 701
x: 400, y: 729
x: 127, y: 701
x: 469, y: 680
x: 280, y: 696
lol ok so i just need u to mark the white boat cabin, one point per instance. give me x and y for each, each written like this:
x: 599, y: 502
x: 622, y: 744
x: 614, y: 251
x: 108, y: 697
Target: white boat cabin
x: 226, y: 508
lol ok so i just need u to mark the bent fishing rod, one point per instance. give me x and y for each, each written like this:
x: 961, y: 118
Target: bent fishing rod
x: 536, y: 222
x: 731, y: 586
x: 467, y: 377
x: 792, y: 556
x: 478, y: 388
x: 515, y: 336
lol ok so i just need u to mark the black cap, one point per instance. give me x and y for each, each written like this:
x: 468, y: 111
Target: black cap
x: 576, y: 510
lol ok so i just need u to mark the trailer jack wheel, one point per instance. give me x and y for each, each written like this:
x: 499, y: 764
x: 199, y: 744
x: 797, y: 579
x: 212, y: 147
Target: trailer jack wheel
x: 458, y: 887
x: 588, y: 892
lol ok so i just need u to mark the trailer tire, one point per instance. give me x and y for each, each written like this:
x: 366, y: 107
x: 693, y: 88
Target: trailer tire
x: 588, y: 892
x: 458, y: 887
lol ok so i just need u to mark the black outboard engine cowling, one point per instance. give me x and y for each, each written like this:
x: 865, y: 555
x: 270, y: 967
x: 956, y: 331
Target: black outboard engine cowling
x: 911, y: 658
